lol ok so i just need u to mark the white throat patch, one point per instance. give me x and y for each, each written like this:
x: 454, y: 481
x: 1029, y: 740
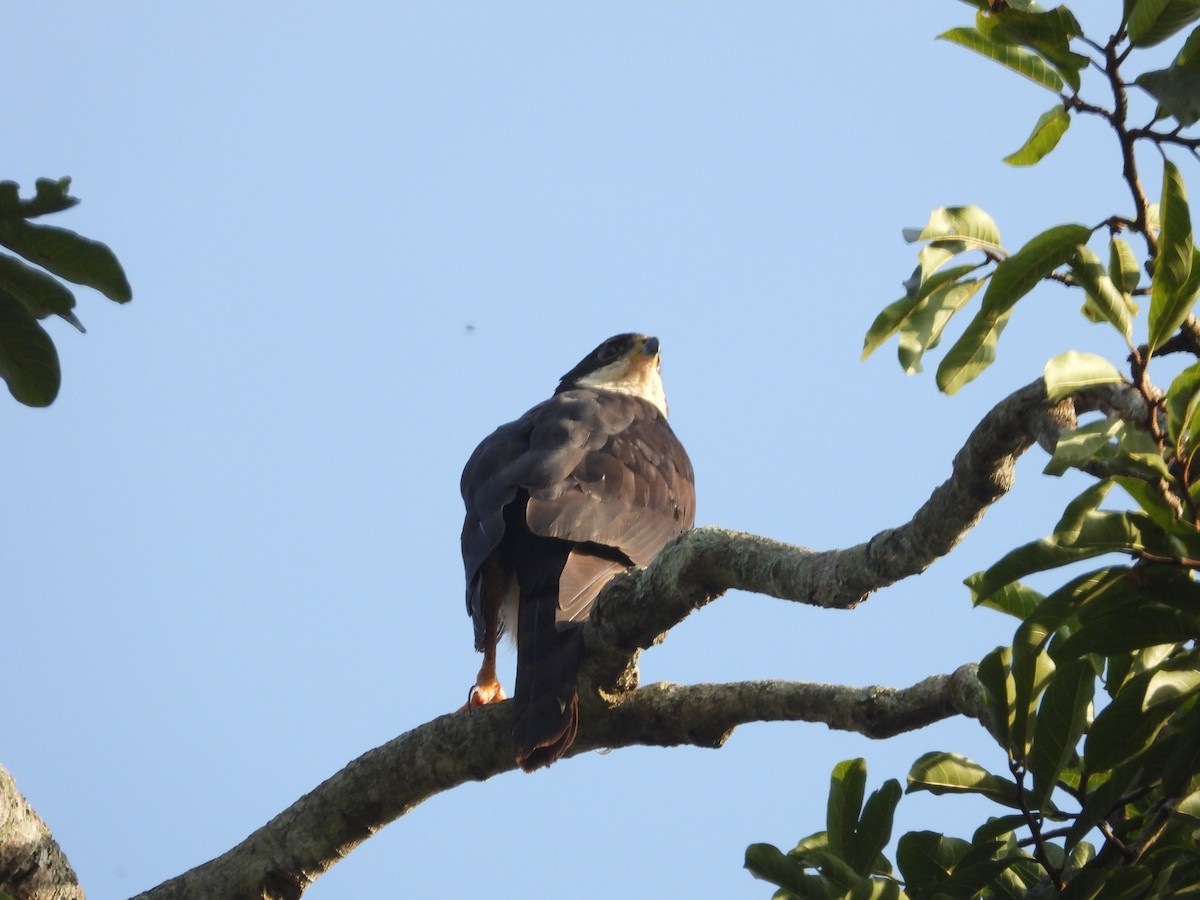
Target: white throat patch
x: 638, y: 380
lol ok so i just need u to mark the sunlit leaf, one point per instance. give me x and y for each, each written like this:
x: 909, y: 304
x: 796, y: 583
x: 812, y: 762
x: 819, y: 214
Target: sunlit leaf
x: 1171, y: 686
x: 1123, y: 265
x: 923, y: 329
x: 911, y: 306
x: 940, y: 772
x: 1019, y: 60
x: 847, y: 786
x: 1105, y: 298
x: 1047, y: 132
x: 1169, y: 302
x: 1183, y: 400
x: 1072, y: 371
x: 969, y: 225
x: 1032, y: 669
x: 1046, y: 33
x: 1061, y: 720
x: 875, y: 827
x: 1015, y: 599
x: 1014, y: 278
x: 1087, y: 443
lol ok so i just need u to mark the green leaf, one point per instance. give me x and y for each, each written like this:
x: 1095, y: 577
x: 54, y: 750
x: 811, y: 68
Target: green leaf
x: 1108, y: 883
x: 1072, y: 371
x: 768, y: 863
x: 847, y: 785
x: 1014, y: 278
x: 1123, y: 266
x: 1088, y: 443
x: 831, y: 866
x: 1183, y: 400
x: 1015, y: 599
x: 1061, y: 720
x: 923, y: 329
x: 1125, y: 728
x: 1047, y: 132
x: 41, y: 294
x: 28, y: 360
x: 1047, y: 553
x: 1153, y: 21
x: 1169, y: 302
x: 1046, y: 33
x: 996, y: 680
x: 968, y: 225
x: 1032, y: 670
x: 875, y: 827
x: 1177, y: 91
x: 1171, y: 686
x: 1105, y: 299
x: 973, y: 352
x: 926, y: 858
x: 68, y: 255
x: 875, y: 889
x: 1021, y: 61
x: 896, y: 315
x: 940, y: 772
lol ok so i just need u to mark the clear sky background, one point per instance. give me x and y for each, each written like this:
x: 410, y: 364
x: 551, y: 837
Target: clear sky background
x: 360, y: 236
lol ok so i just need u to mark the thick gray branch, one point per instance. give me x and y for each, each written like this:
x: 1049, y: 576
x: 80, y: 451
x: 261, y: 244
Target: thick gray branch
x: 32, y: 867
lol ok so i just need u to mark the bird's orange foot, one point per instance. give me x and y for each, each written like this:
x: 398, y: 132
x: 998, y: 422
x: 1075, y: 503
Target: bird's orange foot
x: 483, y: 694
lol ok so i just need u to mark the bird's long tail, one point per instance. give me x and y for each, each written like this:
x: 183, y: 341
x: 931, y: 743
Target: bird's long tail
x: 546, y: 703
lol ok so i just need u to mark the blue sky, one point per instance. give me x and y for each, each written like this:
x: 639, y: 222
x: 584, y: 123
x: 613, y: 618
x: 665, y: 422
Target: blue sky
x: 360, y: 238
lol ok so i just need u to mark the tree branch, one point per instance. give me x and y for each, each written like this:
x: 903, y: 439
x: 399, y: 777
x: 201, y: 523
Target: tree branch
x: 32, y: 866
x: 281, y: 859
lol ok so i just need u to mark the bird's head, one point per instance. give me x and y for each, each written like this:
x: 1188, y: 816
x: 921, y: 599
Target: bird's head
x: 628, y: 364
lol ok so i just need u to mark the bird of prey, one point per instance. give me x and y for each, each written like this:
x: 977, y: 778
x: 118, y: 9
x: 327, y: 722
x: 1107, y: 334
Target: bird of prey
x: 581, y: 487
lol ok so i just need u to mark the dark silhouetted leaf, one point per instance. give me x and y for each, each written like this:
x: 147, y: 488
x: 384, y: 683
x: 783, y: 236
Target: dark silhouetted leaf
x: 68, y: 255
x: 41, y: 294
x: 28, y: 360
x: 926, y: 858
x: 770, y: 864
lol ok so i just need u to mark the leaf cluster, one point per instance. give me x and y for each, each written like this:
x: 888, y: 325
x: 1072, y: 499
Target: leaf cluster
x: 29, y: 290
x: 1095, y: 703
